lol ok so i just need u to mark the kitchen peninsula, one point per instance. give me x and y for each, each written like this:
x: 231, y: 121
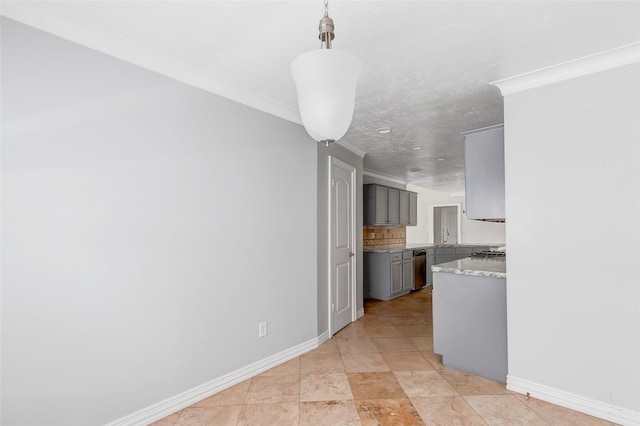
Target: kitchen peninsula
x: 388, y: 269
x: 470, y: 316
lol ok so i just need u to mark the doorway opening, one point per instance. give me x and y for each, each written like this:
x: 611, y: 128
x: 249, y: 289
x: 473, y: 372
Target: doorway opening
x: 446, y: 222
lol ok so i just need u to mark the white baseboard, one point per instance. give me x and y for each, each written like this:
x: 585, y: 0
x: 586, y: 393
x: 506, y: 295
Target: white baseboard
x: 570, y: 400
x: 360, y: 313
x: 178, y: 402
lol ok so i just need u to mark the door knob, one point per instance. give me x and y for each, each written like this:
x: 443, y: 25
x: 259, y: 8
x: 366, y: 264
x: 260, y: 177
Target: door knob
x: 351, y: 254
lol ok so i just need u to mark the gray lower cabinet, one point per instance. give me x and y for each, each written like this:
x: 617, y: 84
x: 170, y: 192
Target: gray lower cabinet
x: 462, y: 252
x: 445, y: 254
x: 387, y: 275
x: 431, y: 258
x: 408, y: 282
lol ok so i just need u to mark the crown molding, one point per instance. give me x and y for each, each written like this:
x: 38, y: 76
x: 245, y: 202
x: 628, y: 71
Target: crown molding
x: 614, y: 58
x: 350, y: 147
x: 45, y: 18
x: 374, y: 174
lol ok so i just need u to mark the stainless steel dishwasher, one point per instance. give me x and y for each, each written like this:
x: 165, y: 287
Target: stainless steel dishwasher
x: 419, y: 268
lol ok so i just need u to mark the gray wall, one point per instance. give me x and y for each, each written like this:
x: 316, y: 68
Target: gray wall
x: 147, y: 227
x: 573, y: 203
x: 323, y: 168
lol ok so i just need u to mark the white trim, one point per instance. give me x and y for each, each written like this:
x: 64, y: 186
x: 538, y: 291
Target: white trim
x: 350, y: 147
x: 573, y: 401
x: 614, y: 58
x: 170, y: 405
x: 360, y: 313
x: 374, y: 174
x: 53, y: 21
x: 333, y: 161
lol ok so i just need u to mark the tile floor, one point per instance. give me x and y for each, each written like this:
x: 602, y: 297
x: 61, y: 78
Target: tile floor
x: 380, y: 370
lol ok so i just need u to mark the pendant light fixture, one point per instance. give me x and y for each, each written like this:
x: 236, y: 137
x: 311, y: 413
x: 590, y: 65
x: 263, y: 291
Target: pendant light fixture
x: 326, y: 82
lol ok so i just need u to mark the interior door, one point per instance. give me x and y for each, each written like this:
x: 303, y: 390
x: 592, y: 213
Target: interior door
x: 342, y: 245
x: 450, y: 225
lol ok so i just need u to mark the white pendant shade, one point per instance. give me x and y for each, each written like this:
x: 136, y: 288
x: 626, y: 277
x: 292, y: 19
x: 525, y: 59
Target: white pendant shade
x: 326, y: 81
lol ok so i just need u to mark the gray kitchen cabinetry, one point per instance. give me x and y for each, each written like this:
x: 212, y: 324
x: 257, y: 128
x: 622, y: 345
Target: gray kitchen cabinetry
x: 484, y: 173
x: 386, y: 275
x: 445, y: 254
x: 393, y: 209
x: 431, y: 259
x: 386, y: 206
x: 413, y: 208
x: 407, y: 270
x: 462, y: 252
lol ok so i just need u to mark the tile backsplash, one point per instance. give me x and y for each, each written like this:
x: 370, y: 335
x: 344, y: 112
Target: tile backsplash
x: 377, y: 236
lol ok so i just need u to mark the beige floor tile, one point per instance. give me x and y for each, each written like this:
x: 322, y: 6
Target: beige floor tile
x: 274, y: 389
x: 393, y: 344
x: 330, y: 346
x: 446, y: 410
x: 235, y: 395
x: 325, y: 387
x: 374, y: 321
x: 361, y: 362
x: 557, y: 415
x: 507, y: 410
x: 415, y: 330
x: 210, y: 416
x: 424, y: 383
x: 406, y: 321
x: 380, y: 385
x: 391, y: 412
x: 352, y: 330
x: 323, y: 413
x: 289, y: 367
x: 168, y: 421
x: 357, y: 344
x: 269, y: 415
x: 424, y: 343
x: 434, y: 359
x: 406, y: 361
x: 382, y: 331
x: 321, y: 363
x: 470, y: 384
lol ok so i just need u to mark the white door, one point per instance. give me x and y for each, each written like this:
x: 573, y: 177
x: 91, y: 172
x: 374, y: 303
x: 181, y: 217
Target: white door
x: 342, y: 246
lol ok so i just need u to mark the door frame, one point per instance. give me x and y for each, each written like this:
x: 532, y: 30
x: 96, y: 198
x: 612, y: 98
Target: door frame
x: 330, y: 255
x: 459, y: 215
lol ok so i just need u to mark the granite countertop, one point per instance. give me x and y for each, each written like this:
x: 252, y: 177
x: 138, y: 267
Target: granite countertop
x: 411, y: 246
x: 481, y: 267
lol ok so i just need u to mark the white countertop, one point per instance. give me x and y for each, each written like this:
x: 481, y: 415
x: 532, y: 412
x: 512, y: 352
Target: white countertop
x: 481, y: 267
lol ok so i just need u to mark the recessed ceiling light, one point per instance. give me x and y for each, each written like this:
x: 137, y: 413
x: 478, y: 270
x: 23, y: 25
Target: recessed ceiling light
x: 440, y: 159
x: 383, y: 130
x: 415, y: 147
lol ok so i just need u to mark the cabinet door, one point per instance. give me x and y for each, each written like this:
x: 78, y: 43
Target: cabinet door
x: 484, y: 173
x: 404, y: 208
x: 445, y: 258
x: 430, y: 263
x: 393, y: 212
x: 407, y: 275
x: 413, y: 209
x: 396, y: 277
x: 381, y: 205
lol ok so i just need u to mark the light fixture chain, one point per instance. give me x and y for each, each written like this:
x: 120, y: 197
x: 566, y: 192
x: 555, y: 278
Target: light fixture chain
x: 326, y: 7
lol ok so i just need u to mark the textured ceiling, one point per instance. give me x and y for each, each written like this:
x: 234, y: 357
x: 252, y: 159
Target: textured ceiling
x: 426, y: 65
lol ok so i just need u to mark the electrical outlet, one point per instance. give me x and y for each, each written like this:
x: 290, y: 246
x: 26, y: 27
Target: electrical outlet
x: 262, y: 329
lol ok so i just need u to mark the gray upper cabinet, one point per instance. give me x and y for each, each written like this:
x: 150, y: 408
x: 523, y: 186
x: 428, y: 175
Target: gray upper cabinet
x: 393, y: 211
x: 484, y: 173
x: 385, y: 206
x: 413, y: 208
